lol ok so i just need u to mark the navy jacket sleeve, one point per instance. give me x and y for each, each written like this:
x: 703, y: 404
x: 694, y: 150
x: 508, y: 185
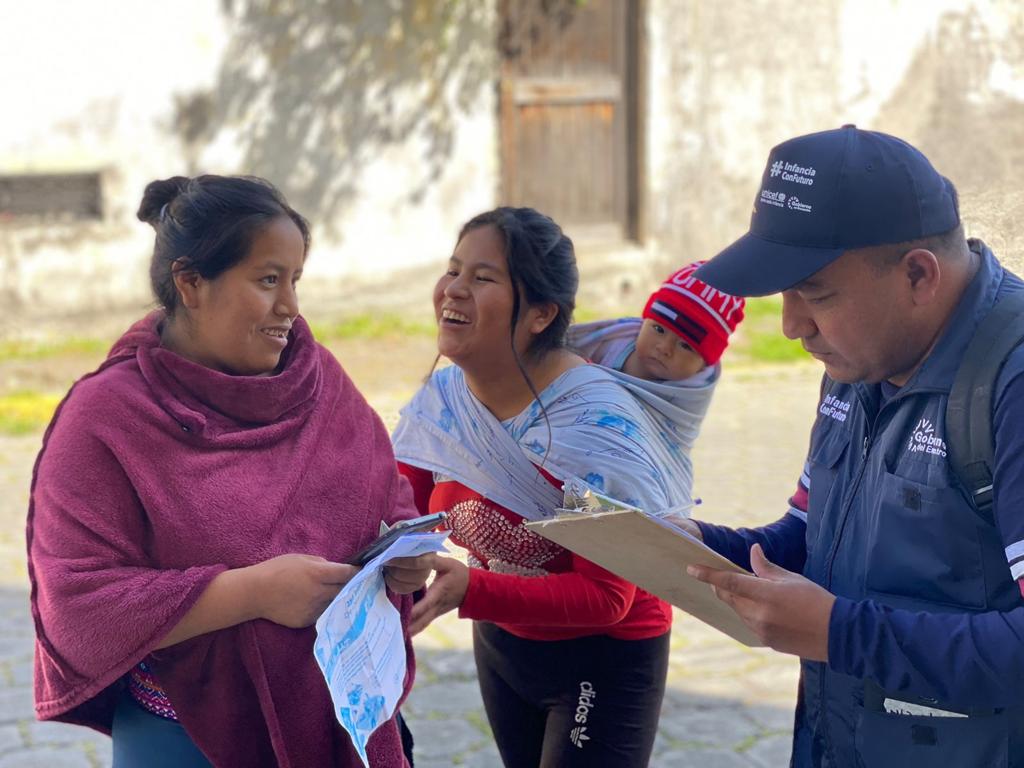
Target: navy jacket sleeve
x: 974, y: 660
x: 783, y: 542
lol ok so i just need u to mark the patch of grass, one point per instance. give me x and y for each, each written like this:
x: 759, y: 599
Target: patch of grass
x: 20, y: 349
x: 22, y: 413
x: 763, y: 308
x: 775, y: 348
x: 586, y: 315
x: 760, y: 338
x: 366, y: 326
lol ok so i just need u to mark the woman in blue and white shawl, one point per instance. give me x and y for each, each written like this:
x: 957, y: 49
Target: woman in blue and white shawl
x: 491, y: 440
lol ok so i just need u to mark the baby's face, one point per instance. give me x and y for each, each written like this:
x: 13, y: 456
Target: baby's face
x: 664, y: 356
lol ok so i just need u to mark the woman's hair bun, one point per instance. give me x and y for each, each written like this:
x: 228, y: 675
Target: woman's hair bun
x: 157, y: 195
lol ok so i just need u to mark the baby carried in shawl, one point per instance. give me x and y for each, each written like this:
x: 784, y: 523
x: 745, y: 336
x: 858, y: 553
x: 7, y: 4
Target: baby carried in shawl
x: 601, y: 427
x: 677, y: 407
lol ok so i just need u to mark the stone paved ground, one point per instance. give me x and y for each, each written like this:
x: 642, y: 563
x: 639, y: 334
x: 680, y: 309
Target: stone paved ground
x: 727, y: 706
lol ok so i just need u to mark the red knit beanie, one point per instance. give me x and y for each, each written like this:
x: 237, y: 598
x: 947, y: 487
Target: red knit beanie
x: 700, y: 315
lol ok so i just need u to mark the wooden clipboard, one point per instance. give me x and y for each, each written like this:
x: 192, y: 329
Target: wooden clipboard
x: 653, y: 555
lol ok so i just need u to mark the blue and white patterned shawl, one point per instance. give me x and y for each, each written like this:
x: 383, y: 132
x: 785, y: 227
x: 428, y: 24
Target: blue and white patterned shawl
x: 601, y: 437
x: 678, y: 406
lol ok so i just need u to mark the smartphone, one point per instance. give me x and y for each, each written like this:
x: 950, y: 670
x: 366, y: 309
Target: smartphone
x: 386, y: 539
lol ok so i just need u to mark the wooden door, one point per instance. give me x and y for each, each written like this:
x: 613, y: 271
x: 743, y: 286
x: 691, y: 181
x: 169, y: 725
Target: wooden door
x: 568, y: 112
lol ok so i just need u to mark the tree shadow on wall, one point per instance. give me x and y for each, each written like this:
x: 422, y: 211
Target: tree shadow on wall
x: 314, y: 92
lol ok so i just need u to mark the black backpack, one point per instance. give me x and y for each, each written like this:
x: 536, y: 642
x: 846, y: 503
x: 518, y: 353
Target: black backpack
x: 969, y: 411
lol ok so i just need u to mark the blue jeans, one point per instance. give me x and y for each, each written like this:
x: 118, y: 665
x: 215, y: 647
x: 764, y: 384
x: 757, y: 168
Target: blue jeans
x: 144, y: 740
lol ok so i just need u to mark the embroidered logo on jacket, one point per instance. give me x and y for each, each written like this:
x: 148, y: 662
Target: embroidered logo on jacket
x: 834, y: 408
x: 924, y: 440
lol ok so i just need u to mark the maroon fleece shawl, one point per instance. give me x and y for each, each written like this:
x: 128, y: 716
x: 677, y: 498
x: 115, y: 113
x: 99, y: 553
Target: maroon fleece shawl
x: 155, y: 475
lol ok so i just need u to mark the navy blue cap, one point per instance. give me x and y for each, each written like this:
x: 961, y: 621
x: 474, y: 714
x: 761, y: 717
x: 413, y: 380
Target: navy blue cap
x: 826, y: 193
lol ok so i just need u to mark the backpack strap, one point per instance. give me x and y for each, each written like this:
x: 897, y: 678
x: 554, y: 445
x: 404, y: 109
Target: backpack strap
x: 970, y: 409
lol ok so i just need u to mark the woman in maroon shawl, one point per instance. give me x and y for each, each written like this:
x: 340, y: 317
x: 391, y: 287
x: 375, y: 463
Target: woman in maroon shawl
x: 194, y: 500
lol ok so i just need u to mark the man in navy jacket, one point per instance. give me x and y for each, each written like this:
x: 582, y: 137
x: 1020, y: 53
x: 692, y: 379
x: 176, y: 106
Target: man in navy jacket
x: 908, y: 616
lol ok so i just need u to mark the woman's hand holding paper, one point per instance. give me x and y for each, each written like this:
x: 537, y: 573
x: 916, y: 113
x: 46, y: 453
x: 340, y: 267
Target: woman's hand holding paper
x: 293, y: 590
x: 444, y: 594
x: 404, y: 575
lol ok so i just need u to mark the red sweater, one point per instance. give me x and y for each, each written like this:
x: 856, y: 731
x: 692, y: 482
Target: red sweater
x: 530, y: 586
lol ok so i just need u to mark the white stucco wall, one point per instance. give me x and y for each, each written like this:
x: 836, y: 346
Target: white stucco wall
x: 379, y: 122
x: 93, y: 92
x: 376, y: 119
x: 730, y: 80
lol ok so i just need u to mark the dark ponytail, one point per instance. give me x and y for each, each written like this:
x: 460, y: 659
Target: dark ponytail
x: 207, y: 225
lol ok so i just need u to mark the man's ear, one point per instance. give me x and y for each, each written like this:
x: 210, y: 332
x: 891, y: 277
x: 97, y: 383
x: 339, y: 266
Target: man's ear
x: 923, y: 274
x: 541, y: 316
x: 186, y: 283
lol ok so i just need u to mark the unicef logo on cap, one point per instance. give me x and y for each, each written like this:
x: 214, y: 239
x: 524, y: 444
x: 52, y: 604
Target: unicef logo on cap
x: 771, y: 197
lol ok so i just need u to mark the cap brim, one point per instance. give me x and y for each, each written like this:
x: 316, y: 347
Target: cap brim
x: 753, y: 266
